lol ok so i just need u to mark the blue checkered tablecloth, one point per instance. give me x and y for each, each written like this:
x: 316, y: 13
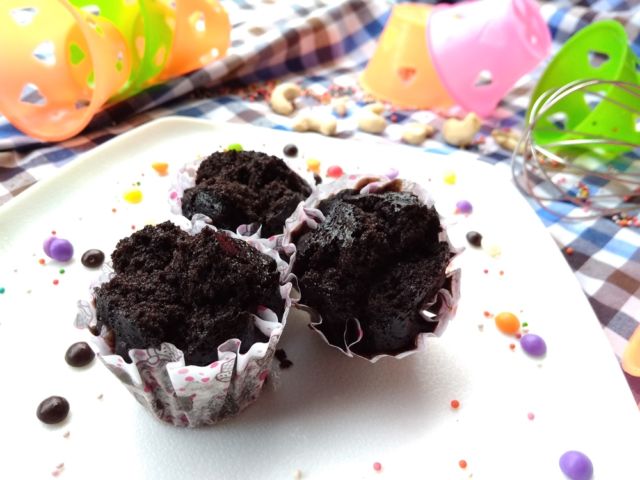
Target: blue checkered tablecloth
x: 322, y: 45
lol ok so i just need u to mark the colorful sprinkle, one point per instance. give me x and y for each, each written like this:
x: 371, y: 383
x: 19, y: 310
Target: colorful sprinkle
x: 507, y: 323
x: 464, y: 206
x: 568, y: 251
x: 533, y: 344
x: 133, y: 196
x: 450, y: 178
x: 462, y: 464
x: 56, y: 281
x: 334, y: 171
x: 161, y: 168
x: 576, y: 465
x: 530, y: 416
x: 313, y: 165
x: 494, y: 250
x: 525, y: 324
x: 236, y: 147
x: 113, y: 210
x: 2, y: 290
x: 377, y: 466
x: 58, y: 249
x: 512, y: 346
x: 455, y: 404
x: 61, y: 271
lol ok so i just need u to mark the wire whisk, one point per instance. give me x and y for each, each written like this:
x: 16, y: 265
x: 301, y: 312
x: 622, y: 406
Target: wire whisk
x: 580, y: 175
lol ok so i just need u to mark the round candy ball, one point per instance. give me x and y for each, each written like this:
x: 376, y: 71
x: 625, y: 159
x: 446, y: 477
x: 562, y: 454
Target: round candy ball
x: 58, y: 249
x: 507, y: 323
x: 576, y: 465
x: 464, y: 206
x: 533, y: 344
x: 334, y: 171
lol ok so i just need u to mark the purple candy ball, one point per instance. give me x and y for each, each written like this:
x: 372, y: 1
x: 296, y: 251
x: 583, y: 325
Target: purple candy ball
x: 46, y: 245
x: 58, y: 249
x: 576, y: 465
x: 534, y: 345
x: 464, y: 206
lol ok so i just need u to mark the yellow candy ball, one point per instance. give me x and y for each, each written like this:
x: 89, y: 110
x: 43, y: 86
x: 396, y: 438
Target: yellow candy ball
x: 313, y: 165
x: 133, y: 196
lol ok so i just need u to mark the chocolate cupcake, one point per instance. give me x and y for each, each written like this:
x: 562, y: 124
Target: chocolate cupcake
x: 240, y: 191
x: 189, y: 321
x: 372, y: 262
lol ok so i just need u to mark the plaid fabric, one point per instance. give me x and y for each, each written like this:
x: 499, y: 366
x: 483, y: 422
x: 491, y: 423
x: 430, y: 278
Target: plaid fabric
x: 323, y: 45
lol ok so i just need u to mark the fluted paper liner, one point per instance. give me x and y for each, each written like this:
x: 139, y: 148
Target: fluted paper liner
x: 439, y: 309
x: 189, y: 395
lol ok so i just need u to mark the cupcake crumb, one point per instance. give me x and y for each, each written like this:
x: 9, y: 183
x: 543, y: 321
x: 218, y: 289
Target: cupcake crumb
x: 281, y: 356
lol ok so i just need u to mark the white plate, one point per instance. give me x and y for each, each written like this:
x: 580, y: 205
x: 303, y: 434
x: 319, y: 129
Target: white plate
x: 329, y: 416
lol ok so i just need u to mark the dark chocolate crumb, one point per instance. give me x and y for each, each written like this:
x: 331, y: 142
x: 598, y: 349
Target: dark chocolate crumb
x: 281, y: 356
x: 317, y: 178
x: 92, y: 258
x: 79, y: 354
x: 290, y: 150
x: 474, y: 238
x: 53, y: 410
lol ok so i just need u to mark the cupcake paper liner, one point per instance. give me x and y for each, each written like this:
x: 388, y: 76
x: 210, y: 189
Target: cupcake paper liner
x: 189, y: 395
x: 439, y: 309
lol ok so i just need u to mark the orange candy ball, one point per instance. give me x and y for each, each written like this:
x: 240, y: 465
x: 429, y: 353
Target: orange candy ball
x: 507, y: 323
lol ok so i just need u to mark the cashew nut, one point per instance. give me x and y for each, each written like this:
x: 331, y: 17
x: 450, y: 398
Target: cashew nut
x: 416, y: 133
x: 283, y: 96
x: 339, y: 106
x: 377, y: 108
x: 460, y: 133
x: 509, y: 140
x: 324, y: 124
x: 371, y: 120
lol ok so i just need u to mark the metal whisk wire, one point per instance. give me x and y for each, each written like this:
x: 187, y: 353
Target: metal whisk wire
x: 546, y: 175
